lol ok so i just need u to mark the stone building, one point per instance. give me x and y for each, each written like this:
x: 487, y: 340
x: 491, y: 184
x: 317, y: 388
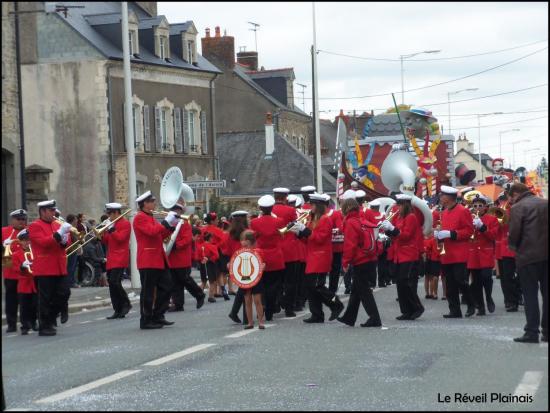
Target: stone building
x: 465, y: 154
x: 74, y: 92
x: 246, y: 91
x: 11, y: 166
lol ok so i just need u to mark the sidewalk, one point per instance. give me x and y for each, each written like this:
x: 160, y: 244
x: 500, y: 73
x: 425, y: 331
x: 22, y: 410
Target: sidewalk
x: 94, y: 297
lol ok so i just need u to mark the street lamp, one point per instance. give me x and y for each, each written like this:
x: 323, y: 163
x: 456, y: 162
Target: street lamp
x: 479, y: 116
x: 500, y: 138
x: 449, y: 101
x: 406, y: 56
x: 514, y: 150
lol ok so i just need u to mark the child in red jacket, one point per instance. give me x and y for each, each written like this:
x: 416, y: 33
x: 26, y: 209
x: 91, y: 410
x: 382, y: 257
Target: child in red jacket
x: 208, y: 256
x: 26, y: 289
x: 248, y: 240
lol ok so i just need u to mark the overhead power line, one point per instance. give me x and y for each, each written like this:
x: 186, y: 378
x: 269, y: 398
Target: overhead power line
x: 432, y: 59
x: 440, y: 83
x: 500, y: 124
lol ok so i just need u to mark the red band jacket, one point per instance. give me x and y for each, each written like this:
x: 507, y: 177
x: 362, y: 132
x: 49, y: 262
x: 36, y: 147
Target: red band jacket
x: 268, y: 239
x: 319, y: 246
x: 482, y: 247
x: 337, y: 229
x: 118, y: 244
x: 10, y: 232
x: 458, y: 220
x: 405, y: 238
x: 353, y: 252
x: 208, y: 250
x: 49, y: 254
x: 181, y: 253
x: 287, y: 214
x: 150, y: 236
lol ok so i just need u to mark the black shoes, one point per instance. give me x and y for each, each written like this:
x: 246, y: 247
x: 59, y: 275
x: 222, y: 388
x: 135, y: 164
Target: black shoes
x: 404, y: 317
x: 527, y: 339
x: 125, y: 310
x: 268, y: 316
x: 290, y: 314
x: 452, y: 315
x: 24, y: 331
x: 512, y: 309
x: 470, y: 312
x: 150, y: 326
x: 235, y: 318
x: 480, y: 312
x: 248, y: 327
x: 225, y: 296
x: 11, y: 329
x: 312, y: 320
x: 34, y: 326
x: 64, y: 317
x: 372, y: 323
x: 114, y: 316
x: 337, y: 309
x: 47, y: 332
x: 175, y: 309
x: 200, y: 301
x: 164, y: 322
x: 341, y: 319
x: 491, y: 306
x: 211, y: 299
x: 417, y: 314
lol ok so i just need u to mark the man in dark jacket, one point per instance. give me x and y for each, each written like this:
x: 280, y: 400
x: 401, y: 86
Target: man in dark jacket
x: 93, y: 253
x: 528, y: 237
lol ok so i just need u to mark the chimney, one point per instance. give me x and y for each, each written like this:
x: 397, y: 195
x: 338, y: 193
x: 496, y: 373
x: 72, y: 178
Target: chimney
x: 249, y: 59
x: 269, y: 136
x: 218, y: 49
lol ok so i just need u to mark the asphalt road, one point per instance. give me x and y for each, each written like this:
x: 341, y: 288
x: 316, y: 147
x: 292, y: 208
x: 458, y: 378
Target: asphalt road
x: 206, y: 362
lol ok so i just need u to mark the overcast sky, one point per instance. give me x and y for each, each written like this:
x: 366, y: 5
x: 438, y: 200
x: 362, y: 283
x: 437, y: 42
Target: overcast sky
x: 388, y: 30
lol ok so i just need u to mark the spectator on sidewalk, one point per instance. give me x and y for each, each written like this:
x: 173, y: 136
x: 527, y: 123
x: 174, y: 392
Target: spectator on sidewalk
x: 93, y: 253
x: 528, y: 237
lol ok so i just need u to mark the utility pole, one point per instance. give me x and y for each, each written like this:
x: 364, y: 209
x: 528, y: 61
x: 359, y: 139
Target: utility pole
x: 255, y: 29
x: 318, y: 175
x: 303, y: 94
x: 129, y: 138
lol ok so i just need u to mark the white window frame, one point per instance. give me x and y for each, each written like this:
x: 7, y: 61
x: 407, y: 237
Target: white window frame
x: 193, y: 127
x: 162, y: 48
x: 190, y: 49
x: 167, y: 134
x: 139, y: 139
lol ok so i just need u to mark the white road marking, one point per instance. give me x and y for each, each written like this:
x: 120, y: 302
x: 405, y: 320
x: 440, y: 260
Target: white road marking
x: 18, y: 409
x: 11, y: 335
x: 529, y: 383
x: 86, y: 322
x: 179, y: 354
x: 86, y: 387
x: 100, y: 318
x: 245, y: 332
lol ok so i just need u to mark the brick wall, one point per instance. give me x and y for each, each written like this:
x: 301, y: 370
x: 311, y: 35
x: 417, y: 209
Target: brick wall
x: 219, y: 49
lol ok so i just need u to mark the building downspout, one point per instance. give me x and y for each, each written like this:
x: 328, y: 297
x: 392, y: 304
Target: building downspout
x: 213, y: 128
x: 111, y: 149
x: 20, y: 104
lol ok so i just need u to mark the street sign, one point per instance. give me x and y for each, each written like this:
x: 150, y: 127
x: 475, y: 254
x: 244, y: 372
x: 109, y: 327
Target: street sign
x: 206, y: 184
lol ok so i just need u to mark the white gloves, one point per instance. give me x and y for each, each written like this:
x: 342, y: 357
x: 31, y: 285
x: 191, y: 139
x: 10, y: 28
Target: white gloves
x: 442, y: 234
x: 64, y: 229
x: 26, y: 264
x: 172, y: 219
x: 387, y: 225
x: 382, y: 237
x: 7, y: 242
x: 65, y: 238
x: 297, y: 228
x: 478, y: 223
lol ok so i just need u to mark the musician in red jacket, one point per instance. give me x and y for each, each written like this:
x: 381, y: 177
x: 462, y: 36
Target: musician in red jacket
x: 218, y: 238
x: 403, y: 232
x: 456, y: 230
x: 152, y: 262
x: 49, y: 240
x: 337, y: 219
x: 318, y: 238
x: 179, y: 261
x: 362, y: 258
x: 300, y: 300
x: 266, y: 228
x: 117, y: 241
x: 26, y: 288
x: 481, y: 257
x: 9, y: 234
x: 287, y: 289
x: 306, y: 191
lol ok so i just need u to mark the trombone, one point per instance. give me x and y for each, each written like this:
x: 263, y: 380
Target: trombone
x: 302, y: 218
x: 96, y: 233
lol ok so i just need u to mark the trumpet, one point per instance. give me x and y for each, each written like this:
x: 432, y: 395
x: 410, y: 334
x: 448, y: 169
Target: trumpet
x: 388, y: 218
x: 29, y: 257
x: 302, y: 218
x: 7, y: 256
x: 499, y: 214
x: 79, y: 235
x: 440, y: 244
x: 474, y: 216
x: 184, y: 217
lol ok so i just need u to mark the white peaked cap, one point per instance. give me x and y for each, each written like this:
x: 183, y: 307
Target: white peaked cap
x: 281, y: 190
x: 403, y: 197
x: 349, y: 194
x: 308, y: 188
x: 144, y: 196
x: 113, y: 205
x: 449, y: 190
x: 266, y: 201
x: 47, y: 204
x: 291, y: 199
x: 360, y: 193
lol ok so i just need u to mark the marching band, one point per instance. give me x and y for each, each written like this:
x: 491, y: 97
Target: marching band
x: 300, y: 245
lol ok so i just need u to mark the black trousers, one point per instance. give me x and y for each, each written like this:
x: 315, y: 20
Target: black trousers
x: 29, y: 311
x: 154, y: 298
x: 407, y: 282
x: 335, y: 271
x: 534, y: 277
x: 290, y: 284
x: 119, y: 298
x: 482, y: 281
x: 301, y: 295
x: 392, y: 269
x: 52, y: 298
x: 181, y: 280
x: 456, y: 276
x: 238, y: 303
x: 10, y: 288
x: 347, y: 279
x: 509, y: 282
x: 383, y: 270
x: 361, y: 293
x: 272, y: 281
x: 318, y: 294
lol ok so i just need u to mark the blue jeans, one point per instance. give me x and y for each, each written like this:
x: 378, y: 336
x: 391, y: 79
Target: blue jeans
x: 72, y: 263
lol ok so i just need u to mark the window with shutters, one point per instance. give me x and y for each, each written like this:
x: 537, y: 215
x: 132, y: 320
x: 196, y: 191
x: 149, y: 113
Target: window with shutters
x: 204, y: 134
x: 164, y: 126
x: 193, y: 143
x: 146, y: 133
x: 193, y: 127
x: 137, y: 123
x: 178, y: 139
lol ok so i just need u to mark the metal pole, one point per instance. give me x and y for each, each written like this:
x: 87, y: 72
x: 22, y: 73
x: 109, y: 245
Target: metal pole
x: 129, y: 138
x: 402, y: 82
x: 478, y: 142
x: 500, y: 144
x: 449, y: 110
x: 319, y: 180
x: 20, y: 108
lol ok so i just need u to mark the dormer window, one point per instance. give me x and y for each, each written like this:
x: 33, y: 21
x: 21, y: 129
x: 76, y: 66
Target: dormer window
x: 131, y: 40
x: 189, y: 44
x: 133, y: 33
x: 162, y: 45
x: 190, y: 49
